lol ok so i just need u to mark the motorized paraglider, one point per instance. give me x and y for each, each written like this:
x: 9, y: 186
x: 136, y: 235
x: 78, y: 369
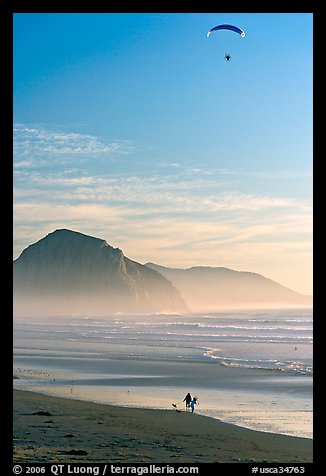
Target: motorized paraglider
x: 227, y: 27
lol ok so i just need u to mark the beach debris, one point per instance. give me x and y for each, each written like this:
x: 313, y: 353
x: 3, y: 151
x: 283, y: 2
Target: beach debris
x: 76, y: 452
x: 42, y: 413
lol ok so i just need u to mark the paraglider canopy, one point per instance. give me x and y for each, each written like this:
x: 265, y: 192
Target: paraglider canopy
x: 227, y: 27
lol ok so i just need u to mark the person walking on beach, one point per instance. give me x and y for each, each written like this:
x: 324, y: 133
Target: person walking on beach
x: 187, y: 399
x: 193, y: 403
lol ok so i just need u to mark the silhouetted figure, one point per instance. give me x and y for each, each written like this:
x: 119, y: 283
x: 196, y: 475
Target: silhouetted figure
x: 187, y: 399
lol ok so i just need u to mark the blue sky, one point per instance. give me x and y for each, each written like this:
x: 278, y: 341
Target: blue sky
x: 133, y: 128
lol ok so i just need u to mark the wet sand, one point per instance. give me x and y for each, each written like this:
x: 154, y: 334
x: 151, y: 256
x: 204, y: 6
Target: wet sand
x: 53, y: 429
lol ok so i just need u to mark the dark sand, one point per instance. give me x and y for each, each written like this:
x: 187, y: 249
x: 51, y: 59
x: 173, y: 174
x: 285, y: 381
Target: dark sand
x: 131, y: 435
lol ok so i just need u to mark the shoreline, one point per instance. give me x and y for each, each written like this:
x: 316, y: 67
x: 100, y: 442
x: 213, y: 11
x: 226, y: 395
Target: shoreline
x: 229, y: 394
x: 118, y: 397
x: 123, y: 434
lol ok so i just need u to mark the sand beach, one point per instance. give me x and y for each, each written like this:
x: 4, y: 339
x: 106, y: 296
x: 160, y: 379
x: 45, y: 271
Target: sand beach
x: 54, y: 429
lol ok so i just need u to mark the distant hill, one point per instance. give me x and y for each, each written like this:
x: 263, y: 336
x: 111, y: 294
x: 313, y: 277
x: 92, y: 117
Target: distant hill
x: 209, y: 288
x: 69, y: 272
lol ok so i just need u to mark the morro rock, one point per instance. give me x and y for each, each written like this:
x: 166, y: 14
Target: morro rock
x: 68, y: 272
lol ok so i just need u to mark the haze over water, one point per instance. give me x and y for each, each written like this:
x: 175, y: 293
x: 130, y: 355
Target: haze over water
x: 252, y: 368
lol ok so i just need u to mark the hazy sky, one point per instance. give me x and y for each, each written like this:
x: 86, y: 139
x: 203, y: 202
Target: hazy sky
x: 134, y: 128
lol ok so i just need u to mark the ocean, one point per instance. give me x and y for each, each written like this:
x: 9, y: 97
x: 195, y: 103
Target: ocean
x: 250, y: 368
